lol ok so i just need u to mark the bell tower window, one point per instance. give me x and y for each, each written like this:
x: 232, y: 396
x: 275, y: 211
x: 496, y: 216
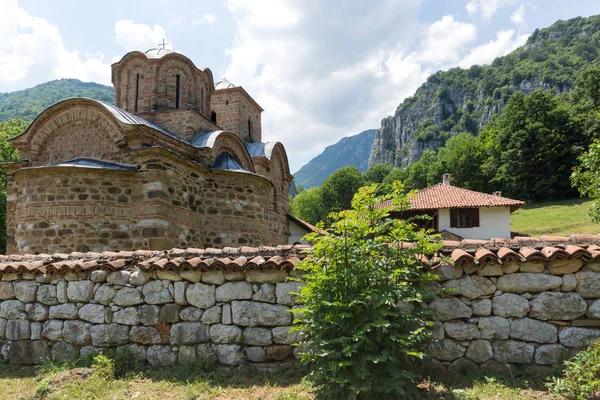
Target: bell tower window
x: 177, y: 90
x: 137, y: 92
x: 249, y: 130
x: 213, y: 116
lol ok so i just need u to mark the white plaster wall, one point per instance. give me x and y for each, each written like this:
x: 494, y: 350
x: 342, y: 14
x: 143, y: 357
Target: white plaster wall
x: 296, y: 233
x: 494, y: 222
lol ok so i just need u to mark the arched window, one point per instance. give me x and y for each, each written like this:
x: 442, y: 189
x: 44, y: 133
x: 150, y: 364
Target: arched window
x: 137, y: 92
x: 249, y: 130
x: 213, y: 116
x: 177, y: 90
x: 202, y: 101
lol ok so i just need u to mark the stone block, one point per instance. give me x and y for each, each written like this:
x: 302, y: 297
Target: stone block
x: 179, y: 289
x: 99, y: 276
x: 168, y: 275
x: 46, y: 294
x: 251, y: 313
x: 230, y: 291
x: 227, y: 318
x: 2, y: 328
x: 284, y: 335
x: 534, y: 267
x: 126, y: 316
x: 450, y: 308
x: 557, y: 306
x: 471, y: 286
x: 551, y: 354
x: 510, y: 351
x: 128, y: 296
x: 12, y: 309
x: 148, y: 314
x: 265, y: 276
x: 594, y: 309
x: 287, y: 292
x: 189, y: 333
x: 447, y: 271
x: 510, y: 305
x: 490, y: 269
x: 61, y: 291
x: 186, y: 355
x: 157, y: 292
x: 192, y: 314
x: 161, y: 356
x: 109, y: 335
x: 447, y: 350
x: 482, y: 307
x: 256, y: 354
x: 265, y: 292
x: 25, y: 291
x: 37, y: 311
x: 92, y: 313
x: 212, y: 315
x: 480, y: 351
x: 578, y: 337
x: 460, y: 330
x: 77, y: 332
x: 52, y: 330
x: 532, y: 330
x: 588, y: 284
x: 139, y: 278
x: 561, y: 267
x: 200, y: 295
x: 528, y: 282
x: 232, y: 276
x: 80, y: 291
x: 213, y: 277
x: 193, y: 276
x: 7, y: 291
x: 257, y: 336
x: 28, y: 352
x: 278, y: 352
x: 36, y: 330
x: 18, y: 329
x: 120, y: 278
x: 229, y: 354
x: 569, y: 283
x: 493, y: 328
x: 63, y: 311
x: 106, y: 293
x: 148, y: 335
x: 169, y: 313
x: 225, y: 333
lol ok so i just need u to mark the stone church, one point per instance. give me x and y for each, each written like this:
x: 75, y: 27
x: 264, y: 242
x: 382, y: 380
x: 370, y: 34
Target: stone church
x: 178, y: 162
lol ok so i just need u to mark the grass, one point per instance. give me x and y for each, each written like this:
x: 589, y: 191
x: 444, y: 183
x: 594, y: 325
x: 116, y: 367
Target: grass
x: 106, y: 379
x: 560, y: 218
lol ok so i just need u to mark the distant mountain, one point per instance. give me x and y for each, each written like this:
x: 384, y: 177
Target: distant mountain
x: 28, y: 103
x: 351, y: 150
x: 459, y: 100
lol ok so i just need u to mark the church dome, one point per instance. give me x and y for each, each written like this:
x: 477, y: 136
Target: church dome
x: 224, y: 84
x: 157, y: 53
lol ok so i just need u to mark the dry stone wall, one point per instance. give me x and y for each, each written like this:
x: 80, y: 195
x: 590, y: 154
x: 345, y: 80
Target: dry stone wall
x: 517, y: 313
x: 162, y: 317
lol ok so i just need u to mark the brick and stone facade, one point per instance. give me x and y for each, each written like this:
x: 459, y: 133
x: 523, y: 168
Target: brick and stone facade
x: 153, y: 173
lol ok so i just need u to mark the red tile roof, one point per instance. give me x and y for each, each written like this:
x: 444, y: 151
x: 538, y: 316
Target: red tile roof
x: 447, y: 196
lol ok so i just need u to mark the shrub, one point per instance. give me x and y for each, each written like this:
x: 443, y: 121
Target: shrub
x: 364, y: 301
x: 581, y: 377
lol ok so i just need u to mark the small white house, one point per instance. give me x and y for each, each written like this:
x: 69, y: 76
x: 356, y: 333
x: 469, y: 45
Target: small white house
x: 297, y: 228
x: 462, y: 212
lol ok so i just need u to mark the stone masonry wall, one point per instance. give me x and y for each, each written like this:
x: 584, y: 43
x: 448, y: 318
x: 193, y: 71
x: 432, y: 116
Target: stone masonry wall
x: 162, y: 317
x: 531, y: 312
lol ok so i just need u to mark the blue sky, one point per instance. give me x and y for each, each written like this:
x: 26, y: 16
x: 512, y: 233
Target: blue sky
x: 320, y: 69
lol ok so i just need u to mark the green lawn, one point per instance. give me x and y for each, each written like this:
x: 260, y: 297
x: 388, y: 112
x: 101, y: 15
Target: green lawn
x: 554, y: 218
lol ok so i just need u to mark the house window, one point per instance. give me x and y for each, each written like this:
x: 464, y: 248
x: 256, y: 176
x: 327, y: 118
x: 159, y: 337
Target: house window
x: 464, y: 218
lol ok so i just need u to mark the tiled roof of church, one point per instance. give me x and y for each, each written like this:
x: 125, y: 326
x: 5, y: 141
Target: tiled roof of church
x: 474, y: 252
x: 85, y: 162
x: 443, y: 195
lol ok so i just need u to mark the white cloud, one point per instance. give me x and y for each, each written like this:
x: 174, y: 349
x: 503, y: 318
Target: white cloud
x: 33, y: 52
x: 444, y: 39
x: 132, y: 36
x: 487, y: 8
x: 506, y: 41
x: 207, y: 18
x: 518, y: 17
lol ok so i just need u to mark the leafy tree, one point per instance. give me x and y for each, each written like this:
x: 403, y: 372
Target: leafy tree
x: 462, y: 157
x: 364, y: 302
x: 377, y: 173
x: 308, y: 206
x: 586, y: 178
x: 535, y: 134
x: 420, y: 173
x: 396, y: 174
x: 8, y: 129
x: 339, y: 188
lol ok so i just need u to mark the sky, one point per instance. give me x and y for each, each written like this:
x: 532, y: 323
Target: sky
x: 321, y: 69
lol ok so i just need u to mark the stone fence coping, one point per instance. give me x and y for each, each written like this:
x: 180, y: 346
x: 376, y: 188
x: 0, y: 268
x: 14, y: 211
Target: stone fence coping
x: 555, y: 251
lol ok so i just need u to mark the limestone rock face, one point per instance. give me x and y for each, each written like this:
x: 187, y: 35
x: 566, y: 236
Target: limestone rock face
x: 550, y: 354
x: 447, y: 350
x: 471, y: 286
x: 461, y: 330
x: 510, y: 351
x: 588, y: 284
x: 528, y: 283
x: 556, y: 305
x: 189, y: 333
x: 234, y: 291
x: 480, y: 351
x: 200, y: 295
x: 250, y: 313
x: 578, y: 337
x: 494, y: 328
x: 510, y: 305
x: 450, y: 308
x: 532, y: 330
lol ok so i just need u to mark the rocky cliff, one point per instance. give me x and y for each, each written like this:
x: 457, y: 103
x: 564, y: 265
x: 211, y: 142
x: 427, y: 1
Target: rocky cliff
x: 461, y: 100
